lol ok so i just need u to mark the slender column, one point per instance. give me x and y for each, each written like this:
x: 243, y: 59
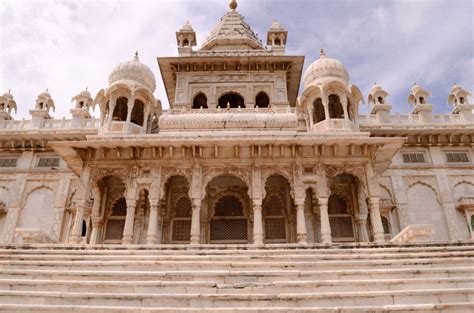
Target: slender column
x: 326, y: 107
x: 301, y: 233
x: 129, y: 221
x: 257, y: 222
x: 145, y: 122
x: 130, y: 108
x: 325, y: 226
x: 76, y: 231
x: 362, y: 225
x: 344, y: 107
x: 376, y: 220
x: 96, y: 223
x: 196, y: 222
x: 153, y: 223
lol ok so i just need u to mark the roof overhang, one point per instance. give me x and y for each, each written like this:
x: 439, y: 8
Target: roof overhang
x: 383, y: 148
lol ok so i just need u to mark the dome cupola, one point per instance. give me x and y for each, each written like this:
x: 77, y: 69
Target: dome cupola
x: 133, y: 72
x: 325, y: 69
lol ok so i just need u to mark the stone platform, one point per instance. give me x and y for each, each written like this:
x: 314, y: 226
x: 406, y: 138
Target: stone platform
x: 428, y: 277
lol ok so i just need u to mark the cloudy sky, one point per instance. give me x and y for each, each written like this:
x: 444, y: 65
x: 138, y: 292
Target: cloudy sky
x: 66, y: 46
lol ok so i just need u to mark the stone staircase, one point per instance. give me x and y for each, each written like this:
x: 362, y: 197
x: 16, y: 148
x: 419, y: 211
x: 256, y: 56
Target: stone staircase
x: 429, y: 277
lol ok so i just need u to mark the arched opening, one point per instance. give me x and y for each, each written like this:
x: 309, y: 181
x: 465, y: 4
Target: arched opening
x: 116, y: 221
x: 461, y: 100
x: 318, y: 111
x: 113, y: 209
x: 181, y: 222
x: 340, y: 219
x: 38, y: 211
x: 120, y: 110
x: 262, y: 100
x: 4, y: 199
x: 422, y: 100
x: 386, y: 226
x: 200, y: 101
x: 3, y: 214
x: 380, y: 100
x: 232, y: 100
x: 83, y: 228
x: 277, y: 41
x: 347, y: 204
x: 138, y: 112
x: 335, y: 107
x: 177, y: 221
x: 228, y: 204
x: 185, y: 42
x: 229, y: 222
x: 431, y: 212
x: 276, y: 207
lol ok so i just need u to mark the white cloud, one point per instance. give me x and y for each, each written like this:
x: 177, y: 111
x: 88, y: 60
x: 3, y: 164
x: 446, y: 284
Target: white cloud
x: 67, y: 46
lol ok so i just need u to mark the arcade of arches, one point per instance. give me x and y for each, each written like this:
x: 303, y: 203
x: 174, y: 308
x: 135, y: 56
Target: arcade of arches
x: 227, y: 214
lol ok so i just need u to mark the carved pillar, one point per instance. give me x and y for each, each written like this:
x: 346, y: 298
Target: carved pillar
x: 311, y: 118
x: 376, y: 220
x: 196, y: 222
x: 145, y: 122
x: 196, y: 198
x: 344, y: 106
x: 96, y: 224
x: 301, y: 233
x: 129, y: 221
x: 257, y: 222
x: 76, y: 231
x: 112, y: 104
x: 130, y: 104
x: 153, y: 223
x: 362, y: 226
x: 325, y: 102
x: 325, y: 225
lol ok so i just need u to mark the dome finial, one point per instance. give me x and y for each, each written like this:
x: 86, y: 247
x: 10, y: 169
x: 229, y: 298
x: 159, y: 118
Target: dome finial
x: 322, y: 54
x: 136, y: 56
x: 233, y: 4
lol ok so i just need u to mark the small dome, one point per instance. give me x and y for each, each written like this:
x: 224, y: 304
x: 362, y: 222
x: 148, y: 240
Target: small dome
x: 416, y: 88
x: 45, y: 94
x: 455, y: 88
x: 375, y: 88
x: 187, y: 27
x: 276, y: 26
x: 325, y: 68
x: 8, y: 95
x: 135, y: 71
x: 85, y: 93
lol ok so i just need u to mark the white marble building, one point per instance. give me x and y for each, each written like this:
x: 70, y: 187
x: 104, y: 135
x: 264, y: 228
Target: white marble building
x: 242, y: 155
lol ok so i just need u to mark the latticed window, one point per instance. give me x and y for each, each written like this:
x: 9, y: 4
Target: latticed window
x: 48, y: 162
x: 10, y: 162
x: 413, y: 158
x: 340, y: 219
x: 181, y: 223
x: 229, y: 222
x: 116, y: 221
x: 457, y: 157
x: 274, y: 218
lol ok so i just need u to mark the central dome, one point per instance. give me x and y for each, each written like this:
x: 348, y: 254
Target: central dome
x: 134, y: 71
x: 325, y: 68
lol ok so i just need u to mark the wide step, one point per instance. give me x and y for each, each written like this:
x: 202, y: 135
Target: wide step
x: 237, y: 278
